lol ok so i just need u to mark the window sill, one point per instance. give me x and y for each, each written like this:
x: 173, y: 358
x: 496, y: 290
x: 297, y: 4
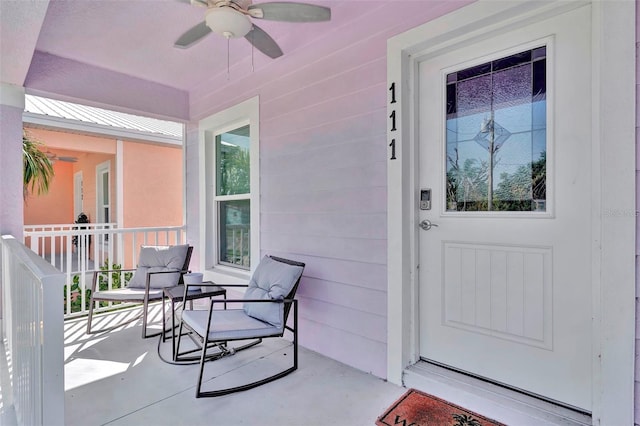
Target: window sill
x: 226, y: 275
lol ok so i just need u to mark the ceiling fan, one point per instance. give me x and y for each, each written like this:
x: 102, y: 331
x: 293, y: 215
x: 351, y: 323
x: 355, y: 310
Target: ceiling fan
x: 231, y: 19
x: 54, y: 157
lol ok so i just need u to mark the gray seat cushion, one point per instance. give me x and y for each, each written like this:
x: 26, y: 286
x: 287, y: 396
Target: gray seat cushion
x: 127, y: 294
x: 228, y: 325
x: 159, y: 259
x: 272, y: 280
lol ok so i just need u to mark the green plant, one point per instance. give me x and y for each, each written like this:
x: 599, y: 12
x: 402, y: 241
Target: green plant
x: 37, y: 168
x: 76, y: 295
x: 118, y: 279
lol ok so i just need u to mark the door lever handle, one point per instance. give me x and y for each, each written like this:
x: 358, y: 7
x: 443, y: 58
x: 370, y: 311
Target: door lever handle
x: 426, y: 225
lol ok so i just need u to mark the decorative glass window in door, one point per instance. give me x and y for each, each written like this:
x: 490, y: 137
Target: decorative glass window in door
x: 496, y: 139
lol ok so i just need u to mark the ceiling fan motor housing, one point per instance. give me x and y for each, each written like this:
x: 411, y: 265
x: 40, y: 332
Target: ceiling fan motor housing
x: 228, y: 22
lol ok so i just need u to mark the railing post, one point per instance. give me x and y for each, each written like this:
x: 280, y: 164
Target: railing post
x: 33, y: 334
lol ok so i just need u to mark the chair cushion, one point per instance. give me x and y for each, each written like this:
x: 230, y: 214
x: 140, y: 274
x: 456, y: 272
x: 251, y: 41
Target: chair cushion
x: 271, y: 280
x: 230, y: 324
x: 127, y: 294
x: 159, y: 259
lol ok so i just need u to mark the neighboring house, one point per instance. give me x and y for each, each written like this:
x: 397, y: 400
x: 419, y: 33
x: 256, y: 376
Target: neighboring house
x: 366, y: 142
x: 116, y: 168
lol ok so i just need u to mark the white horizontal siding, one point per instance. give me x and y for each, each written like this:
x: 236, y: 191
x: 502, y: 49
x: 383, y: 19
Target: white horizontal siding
x: 323, y: 188
x: 333, y: 117
x: 354, y: 297
x: 371, y: 355
x: 345, y: 225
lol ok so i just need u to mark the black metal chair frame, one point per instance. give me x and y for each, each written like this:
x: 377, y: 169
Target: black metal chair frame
x: 203, y: 344
x: 144, y: 299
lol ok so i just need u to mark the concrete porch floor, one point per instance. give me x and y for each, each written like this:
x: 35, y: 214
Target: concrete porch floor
x: 117, y: 378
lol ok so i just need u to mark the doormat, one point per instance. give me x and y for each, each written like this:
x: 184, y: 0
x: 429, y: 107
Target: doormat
x: 417, y: 408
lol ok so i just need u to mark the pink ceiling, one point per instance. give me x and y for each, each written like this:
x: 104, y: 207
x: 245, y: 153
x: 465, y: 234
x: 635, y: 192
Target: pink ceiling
x: 136, y: 38
x: 120, y: 54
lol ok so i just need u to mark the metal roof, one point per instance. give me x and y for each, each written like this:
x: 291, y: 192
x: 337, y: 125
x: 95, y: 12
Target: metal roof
x: 97, y: 118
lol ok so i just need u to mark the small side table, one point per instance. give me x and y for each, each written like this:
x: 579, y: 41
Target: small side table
x: 176, y: 294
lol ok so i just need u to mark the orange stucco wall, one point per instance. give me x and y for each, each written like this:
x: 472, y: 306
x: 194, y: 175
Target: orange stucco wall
x: 57, y: 205
x: 152, y: 185
x: 153, y: 190
x: 90, y: 151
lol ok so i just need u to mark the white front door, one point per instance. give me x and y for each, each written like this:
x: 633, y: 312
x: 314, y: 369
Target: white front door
x: 505, y: 276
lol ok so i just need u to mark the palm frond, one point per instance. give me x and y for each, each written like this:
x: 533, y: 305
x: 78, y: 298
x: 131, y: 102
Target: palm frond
x: 38, y: 170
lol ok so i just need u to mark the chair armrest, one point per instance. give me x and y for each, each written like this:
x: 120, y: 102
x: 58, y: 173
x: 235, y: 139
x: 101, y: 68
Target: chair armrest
x: 232, y: 285
x: 165, y: 272
x: 225, y: 301
x: 113, y: 270
x: 210, y: 284
x: 148, y: 283
x: 252, y: 301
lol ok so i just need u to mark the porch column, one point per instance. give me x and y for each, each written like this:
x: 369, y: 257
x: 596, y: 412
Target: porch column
x: 11, y: 108
x: 11, y: 202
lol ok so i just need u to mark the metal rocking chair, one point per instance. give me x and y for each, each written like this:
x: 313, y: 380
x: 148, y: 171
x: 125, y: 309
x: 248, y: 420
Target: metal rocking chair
x: 268, y: 299
x: 159, y: 267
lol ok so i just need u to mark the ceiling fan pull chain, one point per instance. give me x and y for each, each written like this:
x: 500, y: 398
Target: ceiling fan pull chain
x: 251, y: 33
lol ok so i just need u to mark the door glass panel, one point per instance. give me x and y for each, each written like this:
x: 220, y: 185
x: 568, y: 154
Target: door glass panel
x: 105, y: 188
x: 496, y: 135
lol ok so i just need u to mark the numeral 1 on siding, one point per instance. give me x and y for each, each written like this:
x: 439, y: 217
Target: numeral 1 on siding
x: 392, y: 116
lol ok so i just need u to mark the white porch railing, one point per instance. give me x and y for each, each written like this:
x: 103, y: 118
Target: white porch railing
x: 80, y: 249
x: 32, y: 332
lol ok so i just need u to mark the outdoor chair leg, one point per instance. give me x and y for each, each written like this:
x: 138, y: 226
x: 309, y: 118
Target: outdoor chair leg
x: 203, y: 359
x: 90, y: 317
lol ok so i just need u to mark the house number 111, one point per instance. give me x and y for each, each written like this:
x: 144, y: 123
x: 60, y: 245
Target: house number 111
x: 392, y: 117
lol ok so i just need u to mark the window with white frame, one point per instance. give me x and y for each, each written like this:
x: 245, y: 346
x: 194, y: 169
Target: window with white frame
x: 233, y: 197
x: 230, y: 212
x: 103, y: 192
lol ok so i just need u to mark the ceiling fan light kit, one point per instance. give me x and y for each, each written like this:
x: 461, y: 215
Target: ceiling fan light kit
x: 228, y: 22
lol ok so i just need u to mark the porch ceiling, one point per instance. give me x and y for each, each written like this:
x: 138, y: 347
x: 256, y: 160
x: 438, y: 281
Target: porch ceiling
x: 135, y: 38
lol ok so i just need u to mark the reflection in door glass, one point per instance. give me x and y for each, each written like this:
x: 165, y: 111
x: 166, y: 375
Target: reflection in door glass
x: 496, y: 135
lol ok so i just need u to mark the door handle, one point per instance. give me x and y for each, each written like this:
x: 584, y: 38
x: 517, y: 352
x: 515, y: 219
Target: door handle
x: 426, y: 225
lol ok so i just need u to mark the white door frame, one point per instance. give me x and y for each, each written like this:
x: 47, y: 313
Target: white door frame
x: 100, y: 170
x: 78, y: 194
x: 613, y: 212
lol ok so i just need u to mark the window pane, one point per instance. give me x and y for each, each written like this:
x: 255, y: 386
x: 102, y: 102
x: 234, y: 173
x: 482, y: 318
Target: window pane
x: 496, y: 135
x: 105, y: 188
x: 232, y: 162
x: 234, y: 232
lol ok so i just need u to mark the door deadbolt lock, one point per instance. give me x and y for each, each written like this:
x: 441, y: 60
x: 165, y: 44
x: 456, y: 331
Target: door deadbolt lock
x: 425, y: 199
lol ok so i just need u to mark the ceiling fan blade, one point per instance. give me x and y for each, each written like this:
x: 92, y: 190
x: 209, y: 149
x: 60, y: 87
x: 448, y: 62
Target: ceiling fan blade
x: 290, y: 12
x: 68, y: 159
x: 193, y: 36
x: 263, y: 42
x: 194, y: 2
